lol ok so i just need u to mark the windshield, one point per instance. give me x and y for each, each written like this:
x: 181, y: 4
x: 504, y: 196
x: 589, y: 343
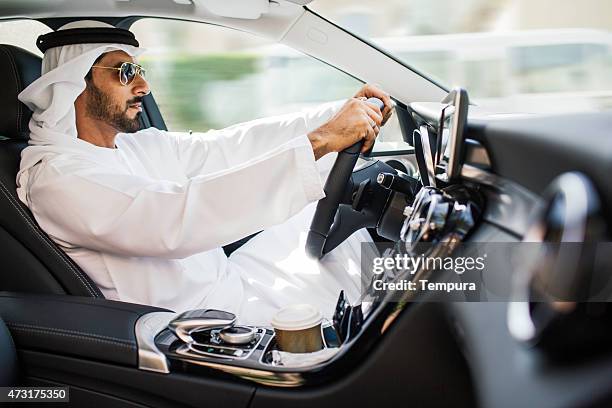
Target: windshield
x: 511, y: 55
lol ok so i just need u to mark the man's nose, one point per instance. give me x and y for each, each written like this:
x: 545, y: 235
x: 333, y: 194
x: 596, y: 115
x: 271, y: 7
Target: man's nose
x: 140, y: 86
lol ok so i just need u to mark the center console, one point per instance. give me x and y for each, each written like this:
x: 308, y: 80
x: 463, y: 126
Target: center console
x: 208, y: 339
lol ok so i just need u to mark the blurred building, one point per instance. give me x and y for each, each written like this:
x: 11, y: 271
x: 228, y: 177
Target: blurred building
x: 529, y: 14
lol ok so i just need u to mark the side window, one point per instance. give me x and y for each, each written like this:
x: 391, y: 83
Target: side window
x: 209, y: 77
x: 23, y: 34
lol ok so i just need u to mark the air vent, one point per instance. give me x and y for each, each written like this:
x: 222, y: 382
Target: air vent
x: 557, y: 290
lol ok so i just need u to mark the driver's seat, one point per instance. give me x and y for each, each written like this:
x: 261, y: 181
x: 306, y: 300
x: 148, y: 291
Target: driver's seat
x: 31, y: 262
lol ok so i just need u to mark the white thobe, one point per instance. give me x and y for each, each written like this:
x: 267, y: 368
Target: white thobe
x: 146, y: 220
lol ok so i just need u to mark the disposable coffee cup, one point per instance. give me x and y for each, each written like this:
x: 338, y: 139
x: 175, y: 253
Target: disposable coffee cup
x: 298, y: 329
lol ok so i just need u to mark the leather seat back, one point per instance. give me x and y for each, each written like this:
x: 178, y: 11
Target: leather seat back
x: 31, y: 261
x: 8, y: 358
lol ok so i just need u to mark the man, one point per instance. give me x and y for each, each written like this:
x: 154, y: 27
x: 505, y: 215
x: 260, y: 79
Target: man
x: 145, y: 213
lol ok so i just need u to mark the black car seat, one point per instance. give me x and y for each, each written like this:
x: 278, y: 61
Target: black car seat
x: 8, y: 358
x: 29, y: 260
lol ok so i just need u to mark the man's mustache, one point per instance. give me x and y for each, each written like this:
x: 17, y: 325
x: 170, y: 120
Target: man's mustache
x: 136, y: 99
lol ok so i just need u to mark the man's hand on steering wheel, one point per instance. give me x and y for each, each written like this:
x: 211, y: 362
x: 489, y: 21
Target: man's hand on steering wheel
x: 351, y: 130
x: 357, y: 120
x: 372, y: 91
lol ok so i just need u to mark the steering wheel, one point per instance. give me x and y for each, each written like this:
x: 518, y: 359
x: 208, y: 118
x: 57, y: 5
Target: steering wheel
x: 321, y: 228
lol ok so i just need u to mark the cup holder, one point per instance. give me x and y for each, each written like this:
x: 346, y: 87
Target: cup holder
x: 330, y: 340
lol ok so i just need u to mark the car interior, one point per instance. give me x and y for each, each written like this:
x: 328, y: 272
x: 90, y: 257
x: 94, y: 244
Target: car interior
x: 481, y: 178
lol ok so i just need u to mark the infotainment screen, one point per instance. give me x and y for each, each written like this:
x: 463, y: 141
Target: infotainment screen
x: 450, y: 137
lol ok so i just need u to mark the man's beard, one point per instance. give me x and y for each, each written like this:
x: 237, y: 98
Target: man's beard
x: 100, y: 106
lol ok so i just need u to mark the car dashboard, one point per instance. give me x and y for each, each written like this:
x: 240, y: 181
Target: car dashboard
x: 544, y: 182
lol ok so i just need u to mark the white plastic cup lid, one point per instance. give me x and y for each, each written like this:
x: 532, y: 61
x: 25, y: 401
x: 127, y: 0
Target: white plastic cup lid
x: 296, y: 317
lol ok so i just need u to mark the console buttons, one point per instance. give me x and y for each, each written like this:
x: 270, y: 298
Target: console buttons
x: 217, y: 351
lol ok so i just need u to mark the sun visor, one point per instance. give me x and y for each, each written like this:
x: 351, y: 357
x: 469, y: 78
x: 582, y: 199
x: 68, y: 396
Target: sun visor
x: 246, y: 9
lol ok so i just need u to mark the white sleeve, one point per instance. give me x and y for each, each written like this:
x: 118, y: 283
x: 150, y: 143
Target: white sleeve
x: 92, y: 207
x: 202, y: 153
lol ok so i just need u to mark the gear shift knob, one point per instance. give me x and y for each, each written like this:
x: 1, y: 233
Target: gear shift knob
x: 200, y: 319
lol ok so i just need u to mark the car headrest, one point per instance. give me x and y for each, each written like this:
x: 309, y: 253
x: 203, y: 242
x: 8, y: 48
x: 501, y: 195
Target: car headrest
x: 19, y: 68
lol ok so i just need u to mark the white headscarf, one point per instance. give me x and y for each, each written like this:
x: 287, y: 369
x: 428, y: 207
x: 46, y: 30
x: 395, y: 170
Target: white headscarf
x: 51, y: 97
